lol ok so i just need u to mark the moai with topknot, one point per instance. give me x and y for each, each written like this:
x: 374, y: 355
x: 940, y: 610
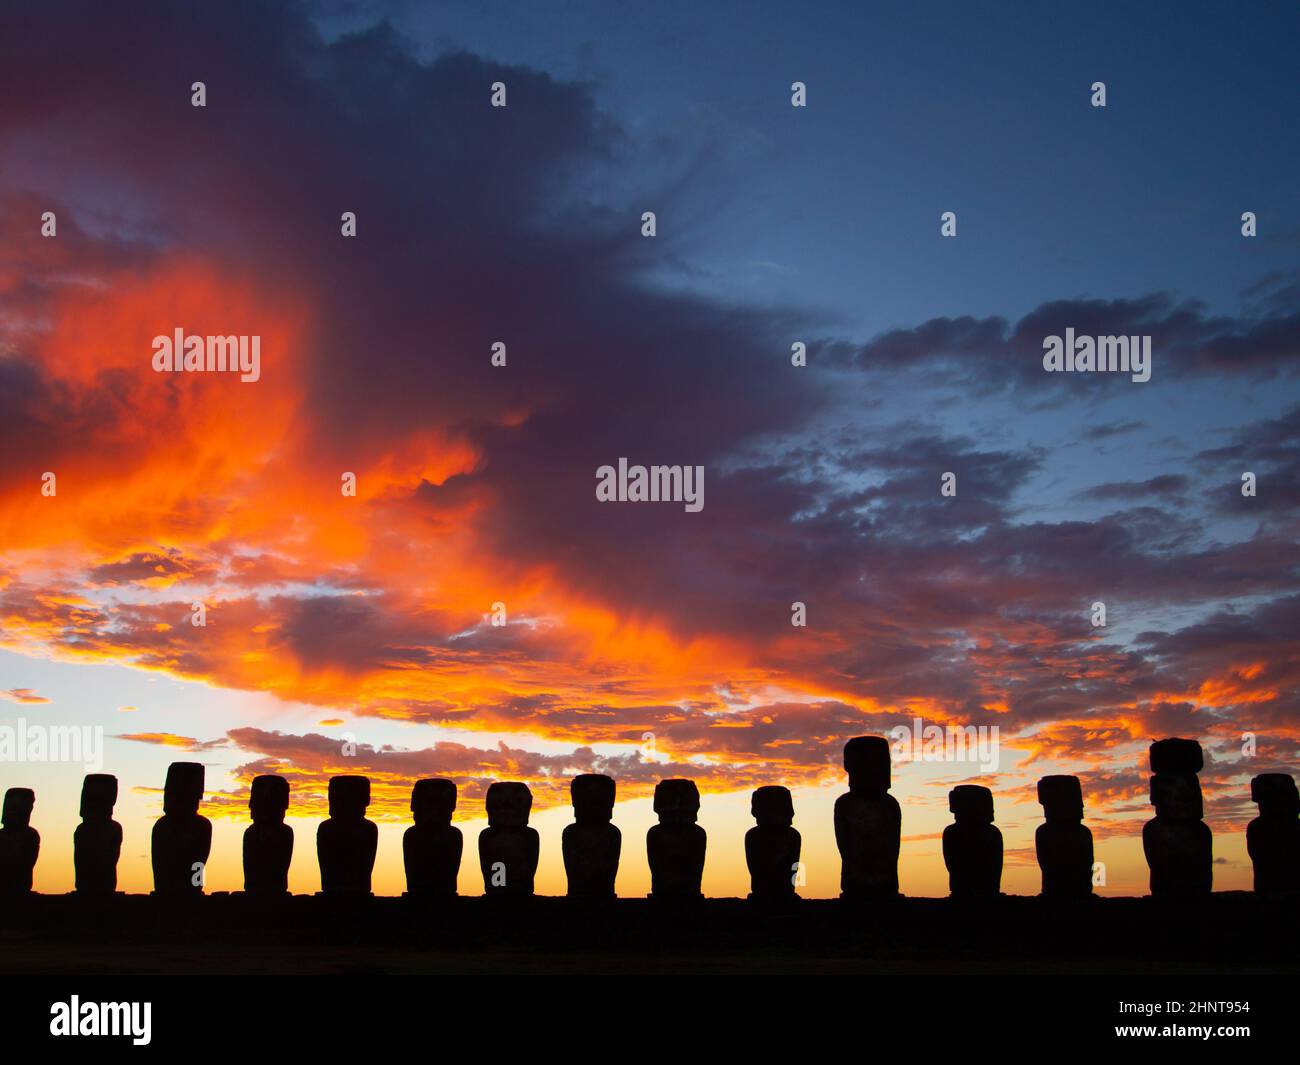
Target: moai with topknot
x: 772, y: 846
x: 592, y: 845
x: 182, y: 837
x: 432, y: 847
x: 1178, y: 844
x: 268, y: 841
x: 97, y: 841
x: 868, y: 822
x: 676, y: 845
x: 1063, y: 843
x: 346, y: 841
x: 972, y: 844
x: 1273, y: 838
x: 508, y: 848
x: 20, y: 844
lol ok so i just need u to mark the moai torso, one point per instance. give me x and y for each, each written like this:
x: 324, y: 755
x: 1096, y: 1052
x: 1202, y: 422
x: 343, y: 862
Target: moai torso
x: 868, y: 830
x: 96, y: 847
x: 973, y: 855
x: 346, y: 848
x: 181, y: 844
x: 508, y: 859
x: 591, y: 855
x: 772, y: 855
x: 1180, y: 854
x: 268, y: 852
x: 431, y: 855
x: 1065, y: 857
x: 676, y: 854
x: 1274, y: 848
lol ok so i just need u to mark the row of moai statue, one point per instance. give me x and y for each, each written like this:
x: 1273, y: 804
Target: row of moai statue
x: 868, y: 832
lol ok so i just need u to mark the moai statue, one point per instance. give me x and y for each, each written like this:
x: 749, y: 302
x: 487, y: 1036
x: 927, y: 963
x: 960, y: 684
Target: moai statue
x: 182, y: 837
x: 868, y: 823
x: 268, y: 841
x: 1063, y: 842
x: 97, y: 841
x: 345, y: 841
x: 432, y: 847
x: 508, y: 849
x: 972, y: 844
x: 591, y: 844
x: 772, y: 845
x: 675, y: 846
x: 1178, y: 845
x: 1273, y: 838
x: 20, y: 844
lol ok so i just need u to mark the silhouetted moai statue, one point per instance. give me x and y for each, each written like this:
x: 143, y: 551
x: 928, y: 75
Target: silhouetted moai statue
x: 772, y: 846
x: 20, y: 844
x: 182, y: 837
x: 97, y: 841
x: 591, y: 844
x: 268, y: 841
x: 508, y: 848
x: 972, y: 844
x: 675, y: 846
x: 431, y: 848
x: 1063, y: 843
x: 868, y: 822
x: 345, y: 841
x: 1273, y: 838
x: 1178, y: 845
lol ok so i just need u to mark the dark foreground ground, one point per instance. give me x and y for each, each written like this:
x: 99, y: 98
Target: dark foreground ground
x: 232, y: 934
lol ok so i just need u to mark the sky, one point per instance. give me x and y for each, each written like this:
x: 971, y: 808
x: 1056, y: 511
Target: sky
x: 354, y: 633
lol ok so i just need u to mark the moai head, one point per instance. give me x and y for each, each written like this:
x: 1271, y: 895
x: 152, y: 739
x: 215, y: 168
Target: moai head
x: 593, y: 798
x: 971, y: 804
x: 349, y: 797
x: 1176, y: 756
x: 18, y: 807
x: 866, y: 760
x: 433, y: 801
x: 1177, y: 796
x: 268, y: 798
x: 184, y: 788
x: 1061, y: 799
x: 677, y: 802
x: 98, y: 797
x: 509, y: 802
x: 1276, y: 795
x: 772, y: 807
